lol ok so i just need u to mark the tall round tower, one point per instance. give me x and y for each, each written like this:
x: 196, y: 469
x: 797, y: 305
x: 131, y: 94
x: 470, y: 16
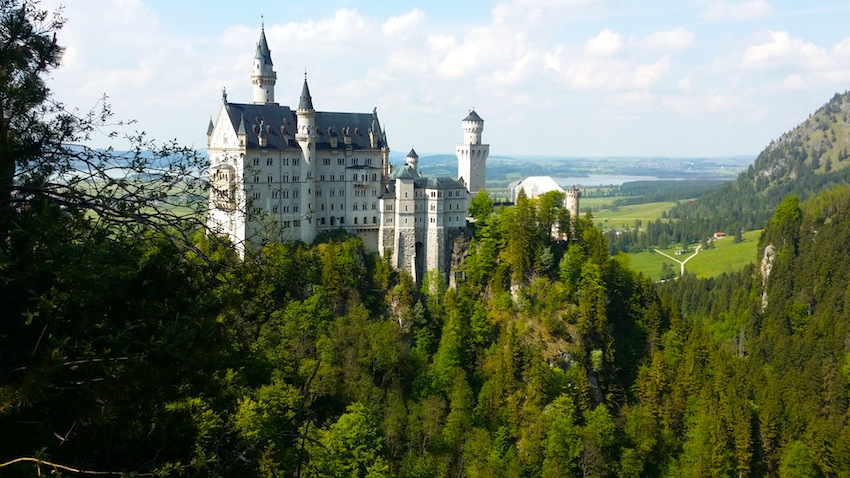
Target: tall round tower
x: 306, y: 137
x: 263, y: 76
x: 571, y: 203
x: 472, y: 155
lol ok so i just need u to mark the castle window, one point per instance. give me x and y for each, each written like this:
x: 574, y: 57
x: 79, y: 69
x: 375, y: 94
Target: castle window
x: 340, y: 161
x: 323, y: 221
x: 375, y: 193
x: 433, y: 193
x: 256, y: 195
x: 322, y: 177
x: 285, y: 178
x: 285, y: 193
x: 295, y: 208
x: 295, y: 163
x: 368, y: 161
x: 323, y: 207
x: 268, y: 161
x: 257, y: 178
x: 269, y: 178
x: 374, y: 177
x: 297, y: 223
x: 333, y: 192
x: 341, y: 192
x: 326, y: 162
x: 374, y: 206
x: 276, y: 194
x: 433, y: 220
x: 296, y: 193
x: 333, y: 219
x: 354, y: 177
x: 342, y: 220
x: 333, y: 177
x: 355, y: 206
x: 433, y: 207
x: 374, y: 219
x: 274, y: 209
x: 286, y: 161
x: 318, y: 193
x: 256, y: 161
x: 364, y: 206
x: 296, y: 179
x: 355, y: 219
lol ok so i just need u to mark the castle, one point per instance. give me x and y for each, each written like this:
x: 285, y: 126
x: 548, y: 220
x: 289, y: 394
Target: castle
x: 279, y: 175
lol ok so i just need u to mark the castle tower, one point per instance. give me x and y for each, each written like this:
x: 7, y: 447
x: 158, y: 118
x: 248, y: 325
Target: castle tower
x: 412, y: 161
x: 306, y: 137
x: 472, y: 155
x: 263, y: 76
x: 571, y: 203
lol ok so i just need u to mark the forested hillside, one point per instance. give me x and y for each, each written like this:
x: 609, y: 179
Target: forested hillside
x: 802, y: 162
x: 763, y: 368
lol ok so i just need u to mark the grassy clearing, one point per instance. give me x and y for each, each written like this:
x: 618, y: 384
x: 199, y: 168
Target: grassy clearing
x: 625, y: 216
x: 725, y: 256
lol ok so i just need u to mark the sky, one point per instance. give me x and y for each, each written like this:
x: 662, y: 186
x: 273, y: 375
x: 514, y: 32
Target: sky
x: 590, y: 78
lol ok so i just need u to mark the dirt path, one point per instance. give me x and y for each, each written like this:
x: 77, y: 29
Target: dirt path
x: 681, y: 263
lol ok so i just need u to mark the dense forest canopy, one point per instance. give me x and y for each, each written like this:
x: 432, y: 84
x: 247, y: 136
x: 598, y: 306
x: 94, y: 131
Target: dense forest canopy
x: 153, y: 350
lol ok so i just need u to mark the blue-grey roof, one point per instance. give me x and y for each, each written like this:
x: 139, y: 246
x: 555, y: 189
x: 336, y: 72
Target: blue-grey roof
x: 412, y: 154
x: 437, y: 183
x: 473, y: 116
x: 405, y: 172
x: 263, y: 52
x: 210, y: 128
x: 306, y: 102
x: 280, y: 122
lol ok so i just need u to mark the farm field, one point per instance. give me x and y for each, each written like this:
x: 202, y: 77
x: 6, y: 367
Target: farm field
x: 725, y: 256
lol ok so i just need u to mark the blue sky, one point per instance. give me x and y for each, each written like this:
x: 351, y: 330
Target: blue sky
x: 550, y: 77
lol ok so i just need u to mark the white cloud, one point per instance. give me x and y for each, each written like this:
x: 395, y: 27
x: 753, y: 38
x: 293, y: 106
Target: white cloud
x: 747, y: 10
x: 402, y: 24
x: 613, y: 74
x: 781, y: 50
x: 669, y: 40
x: 607, y: 43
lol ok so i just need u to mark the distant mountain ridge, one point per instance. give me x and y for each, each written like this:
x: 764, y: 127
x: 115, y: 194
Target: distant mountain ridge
x: 809, y: 158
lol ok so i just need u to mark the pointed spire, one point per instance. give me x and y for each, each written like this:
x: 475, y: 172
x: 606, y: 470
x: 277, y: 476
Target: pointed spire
x: 306, y: 100
x: 263, y: 52
x: 412, y: 154
x: 210, y: 128
x: 242, y: 130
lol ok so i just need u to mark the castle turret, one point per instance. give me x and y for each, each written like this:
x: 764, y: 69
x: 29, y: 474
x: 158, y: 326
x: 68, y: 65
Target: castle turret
x: 412, y: 161
x: 306, y: 137
x: 263, y: 76
x: 472, y: 155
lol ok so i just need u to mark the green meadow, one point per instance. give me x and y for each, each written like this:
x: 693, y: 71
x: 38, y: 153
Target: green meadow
x: 724, y: 256
x: 625, y: 216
